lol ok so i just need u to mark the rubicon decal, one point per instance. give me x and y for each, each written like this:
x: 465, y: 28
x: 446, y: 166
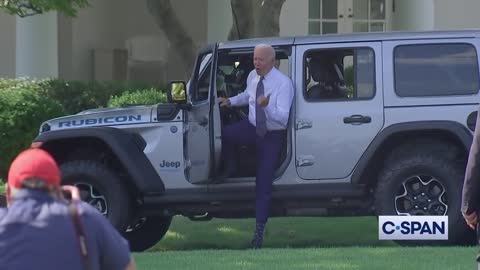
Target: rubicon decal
x: 124, y: 119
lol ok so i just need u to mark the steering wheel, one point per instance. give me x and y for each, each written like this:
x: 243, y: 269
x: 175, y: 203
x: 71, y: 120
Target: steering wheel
x: 231, y: 114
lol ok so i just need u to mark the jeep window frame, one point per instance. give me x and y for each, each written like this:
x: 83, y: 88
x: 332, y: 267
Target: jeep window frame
x: 281, y: 54
x: 198, y: 72
x: 394, y: 69
x: 304, y: 81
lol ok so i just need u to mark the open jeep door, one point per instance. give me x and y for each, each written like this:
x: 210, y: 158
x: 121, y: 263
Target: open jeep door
x: 202, y: 122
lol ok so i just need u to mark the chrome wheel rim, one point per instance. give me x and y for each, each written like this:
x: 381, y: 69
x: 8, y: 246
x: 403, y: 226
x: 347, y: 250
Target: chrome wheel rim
x: 93, y: 197
x: 421, y: 195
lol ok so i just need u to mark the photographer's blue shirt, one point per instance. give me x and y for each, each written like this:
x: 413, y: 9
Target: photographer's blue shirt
x: 36, y: 232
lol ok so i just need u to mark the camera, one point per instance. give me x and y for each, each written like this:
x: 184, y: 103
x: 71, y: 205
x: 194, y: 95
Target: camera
x: 70, y: 193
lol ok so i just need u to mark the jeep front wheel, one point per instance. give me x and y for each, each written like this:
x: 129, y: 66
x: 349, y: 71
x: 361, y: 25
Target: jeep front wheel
x: 146, y: 232
x: 422, y: 183
x: 101, y: 188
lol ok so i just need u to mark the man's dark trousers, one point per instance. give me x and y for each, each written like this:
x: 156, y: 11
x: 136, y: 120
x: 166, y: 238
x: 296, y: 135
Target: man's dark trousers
x: 268, y: 151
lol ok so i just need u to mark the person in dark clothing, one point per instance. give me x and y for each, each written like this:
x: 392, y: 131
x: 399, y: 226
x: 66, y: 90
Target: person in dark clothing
x: 471, y: 185
x: 42, y: 230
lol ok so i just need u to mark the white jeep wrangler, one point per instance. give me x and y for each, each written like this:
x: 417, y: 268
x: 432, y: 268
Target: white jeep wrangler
x: 381, y: 124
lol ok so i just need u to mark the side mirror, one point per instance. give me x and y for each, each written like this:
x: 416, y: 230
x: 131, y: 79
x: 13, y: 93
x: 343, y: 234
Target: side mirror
x: 176, y: 92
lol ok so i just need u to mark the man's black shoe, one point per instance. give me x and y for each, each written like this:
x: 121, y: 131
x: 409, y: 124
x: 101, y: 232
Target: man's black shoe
x: 256, y: 242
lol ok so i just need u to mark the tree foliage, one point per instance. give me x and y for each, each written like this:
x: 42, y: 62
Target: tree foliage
x: 25, y: 8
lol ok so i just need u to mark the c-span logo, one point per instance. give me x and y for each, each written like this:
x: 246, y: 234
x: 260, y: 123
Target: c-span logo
x: 413, y: 227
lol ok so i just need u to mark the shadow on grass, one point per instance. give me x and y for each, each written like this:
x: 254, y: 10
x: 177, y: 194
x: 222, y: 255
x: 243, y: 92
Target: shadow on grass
x: 294, y: 232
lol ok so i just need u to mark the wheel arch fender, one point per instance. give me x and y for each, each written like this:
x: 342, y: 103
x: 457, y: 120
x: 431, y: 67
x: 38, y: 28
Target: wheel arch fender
x: 125, y: 147
x: 390, y: 136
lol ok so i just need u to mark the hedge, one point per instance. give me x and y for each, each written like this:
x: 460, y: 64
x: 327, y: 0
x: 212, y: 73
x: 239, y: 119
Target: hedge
x: 22, y: 110
x: 76, y: 96
x: 146, y: 97
x: 25, y: 104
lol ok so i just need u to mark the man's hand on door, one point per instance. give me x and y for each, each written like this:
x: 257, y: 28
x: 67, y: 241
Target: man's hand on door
x: 223, y: 102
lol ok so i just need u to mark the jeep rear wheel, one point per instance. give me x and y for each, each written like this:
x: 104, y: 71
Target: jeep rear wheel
x: 422, y: 183
x: 101, y: 188
x: 421, y: 195
x: 146, y: 232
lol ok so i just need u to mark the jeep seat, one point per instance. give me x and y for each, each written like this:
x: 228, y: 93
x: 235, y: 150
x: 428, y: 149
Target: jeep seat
x: 329, y: 85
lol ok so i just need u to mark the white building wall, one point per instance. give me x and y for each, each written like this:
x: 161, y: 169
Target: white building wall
x: 413, y: 15
x: 458, y: 14
x: 95, y: 27
x: 7, y: 45
x: 219, y: 20
x: 32, y: 46
x: 293, y: 19
x: 193, y: 15
x: 107, y: 24
x: 36, y: 46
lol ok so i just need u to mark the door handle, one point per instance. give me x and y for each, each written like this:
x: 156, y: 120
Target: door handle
x: 357, y: 119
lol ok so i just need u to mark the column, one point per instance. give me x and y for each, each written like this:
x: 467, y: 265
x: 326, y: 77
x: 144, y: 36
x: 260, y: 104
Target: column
x: 413, y: 15
x: 7, y: 46
x: 37, y: 46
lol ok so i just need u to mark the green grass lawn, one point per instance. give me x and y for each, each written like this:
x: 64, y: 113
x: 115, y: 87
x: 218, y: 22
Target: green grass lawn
x: 280, y: 233
x: 294, y: 243
x: 370, y: 258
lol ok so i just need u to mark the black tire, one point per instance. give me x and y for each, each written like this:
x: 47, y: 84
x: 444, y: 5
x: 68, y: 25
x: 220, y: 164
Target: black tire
x: 147, y: 232
x: 100, y: 187
x: 420, y: 169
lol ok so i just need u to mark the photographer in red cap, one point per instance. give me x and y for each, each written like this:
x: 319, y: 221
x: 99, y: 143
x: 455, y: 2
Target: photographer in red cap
x: 42, y: 230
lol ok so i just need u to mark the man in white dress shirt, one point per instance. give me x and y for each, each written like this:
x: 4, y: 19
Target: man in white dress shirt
x: 269, y: 96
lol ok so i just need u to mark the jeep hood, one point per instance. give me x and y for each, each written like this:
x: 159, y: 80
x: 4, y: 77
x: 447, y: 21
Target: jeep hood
x: 102, y: 117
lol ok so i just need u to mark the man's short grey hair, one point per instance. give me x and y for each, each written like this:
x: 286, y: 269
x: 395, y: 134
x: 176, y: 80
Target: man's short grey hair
x: 268, y: 48
x: 35, y: 184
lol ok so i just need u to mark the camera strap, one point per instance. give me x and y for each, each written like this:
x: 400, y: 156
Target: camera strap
x: 80, y: 234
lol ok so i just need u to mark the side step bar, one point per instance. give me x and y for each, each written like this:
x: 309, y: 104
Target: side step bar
x: 290, y: 192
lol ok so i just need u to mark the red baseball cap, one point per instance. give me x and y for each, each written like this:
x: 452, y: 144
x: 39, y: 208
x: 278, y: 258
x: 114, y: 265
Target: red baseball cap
x: 34, y: 163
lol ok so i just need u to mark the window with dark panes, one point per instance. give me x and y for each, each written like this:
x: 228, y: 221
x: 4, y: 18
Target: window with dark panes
x: 339, y: 74
x: 435, y: 70
x: 345, y: 16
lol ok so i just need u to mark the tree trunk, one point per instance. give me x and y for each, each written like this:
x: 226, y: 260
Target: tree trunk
x: 242, y: 20
x: 267, y: 23
x: 179, y: 39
